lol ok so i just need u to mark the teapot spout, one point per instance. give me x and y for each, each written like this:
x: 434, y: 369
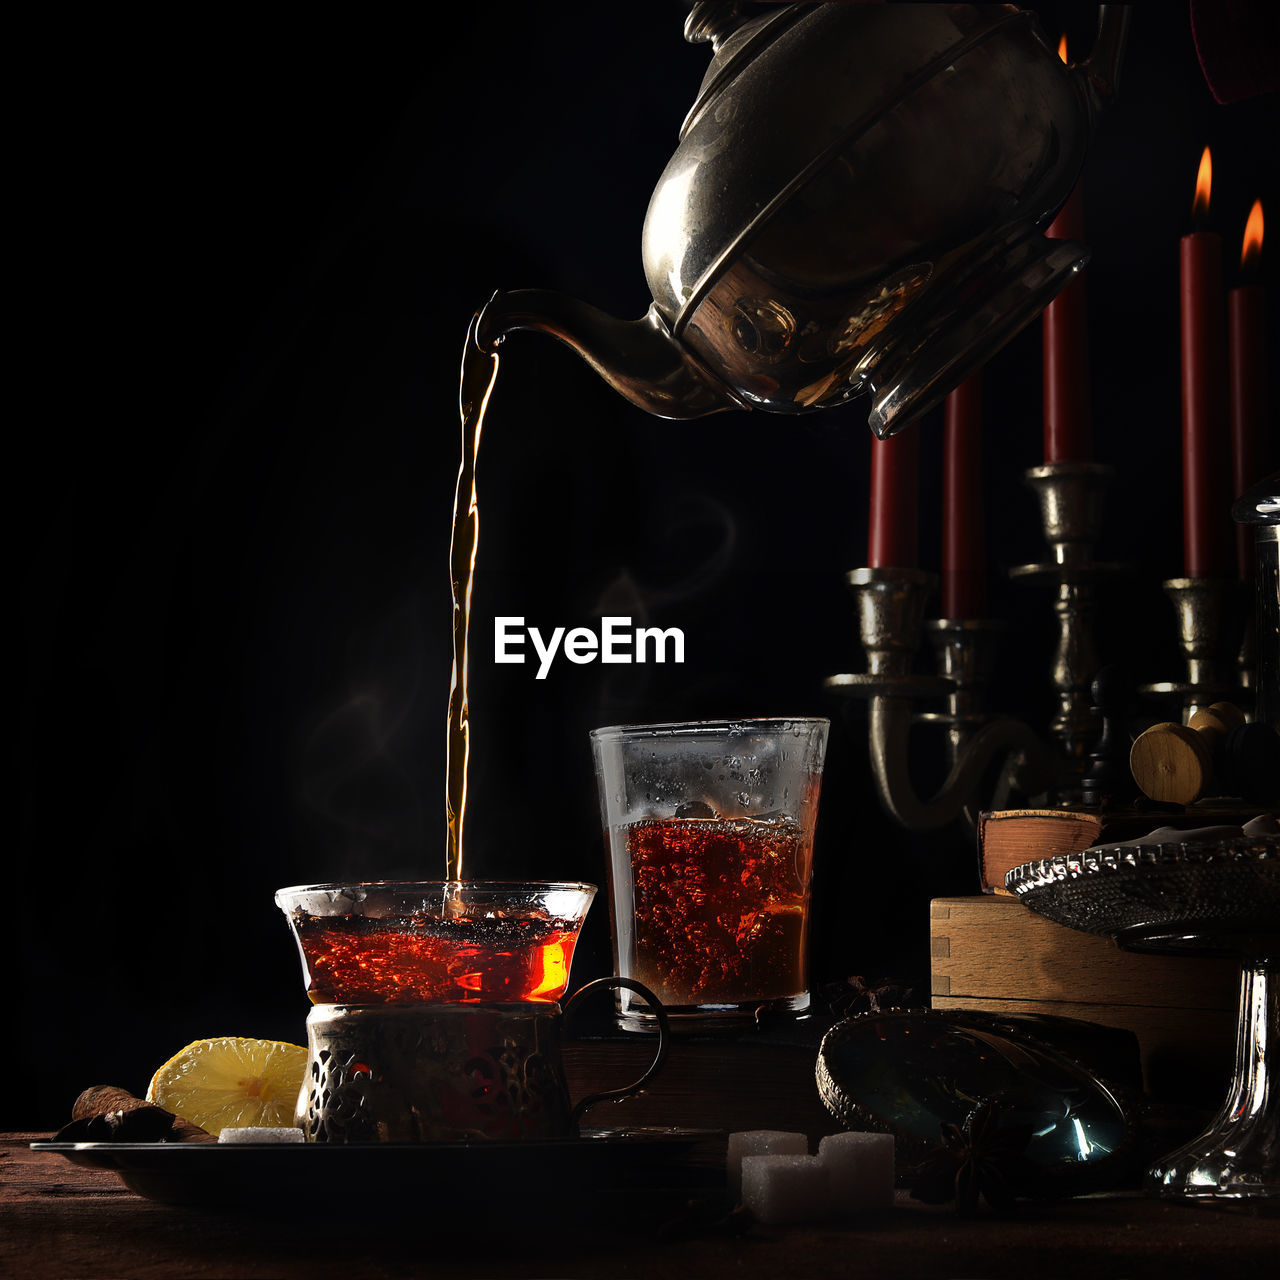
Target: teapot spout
x: 638, y: 358
x: 1100, y: 74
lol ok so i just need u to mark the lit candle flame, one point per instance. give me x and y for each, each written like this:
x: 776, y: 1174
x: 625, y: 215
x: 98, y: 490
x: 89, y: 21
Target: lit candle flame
x: 1251, y: 251
x: 1204, y: 179
x: 1062, y: 48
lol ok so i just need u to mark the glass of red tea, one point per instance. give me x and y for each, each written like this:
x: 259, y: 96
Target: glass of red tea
x: 709, y: 827
x: 436, y: 941
x: 436, y: 1011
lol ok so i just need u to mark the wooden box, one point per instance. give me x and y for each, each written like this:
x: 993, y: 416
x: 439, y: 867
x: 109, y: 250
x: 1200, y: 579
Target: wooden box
x: 990, y: 952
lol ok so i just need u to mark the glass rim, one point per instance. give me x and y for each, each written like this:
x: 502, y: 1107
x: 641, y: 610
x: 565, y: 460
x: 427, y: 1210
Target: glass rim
x: 415, y: 886
x: 706, y: 728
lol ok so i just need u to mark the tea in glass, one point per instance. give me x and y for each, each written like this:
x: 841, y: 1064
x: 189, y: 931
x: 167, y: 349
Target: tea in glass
x: 710, y: 829
x: 436, y: 942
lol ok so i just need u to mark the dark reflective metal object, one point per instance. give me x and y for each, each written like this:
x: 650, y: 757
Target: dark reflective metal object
x: 450, y: 1072
x: 1218, y: 897
x: 856, y: 205
x: 1259, y: 508
x: 1060, y: 1130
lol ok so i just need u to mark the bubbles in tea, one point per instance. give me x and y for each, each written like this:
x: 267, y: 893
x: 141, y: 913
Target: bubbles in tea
x: 719, y: 913
x: 365, y: 960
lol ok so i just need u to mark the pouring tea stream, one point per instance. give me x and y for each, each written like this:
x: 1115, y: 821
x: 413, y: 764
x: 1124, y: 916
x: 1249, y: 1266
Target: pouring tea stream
x: 856, y: 205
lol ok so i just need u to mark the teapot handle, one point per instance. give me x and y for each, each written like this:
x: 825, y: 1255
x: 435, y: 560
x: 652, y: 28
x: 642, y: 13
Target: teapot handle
x: 1100, y: 72
x: 659, y: 1059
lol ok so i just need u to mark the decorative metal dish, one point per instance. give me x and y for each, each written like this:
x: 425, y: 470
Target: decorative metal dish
x: 1204, y: 895
x: 1221, y: 895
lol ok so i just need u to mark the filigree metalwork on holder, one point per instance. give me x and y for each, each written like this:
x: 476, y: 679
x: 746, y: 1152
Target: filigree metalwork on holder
x: 891, y: 605
x: 1070, y: 495
x: 422, y: 1072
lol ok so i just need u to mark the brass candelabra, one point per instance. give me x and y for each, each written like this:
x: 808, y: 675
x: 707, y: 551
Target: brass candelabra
x: 891, y: 605
x: 1049, y: 767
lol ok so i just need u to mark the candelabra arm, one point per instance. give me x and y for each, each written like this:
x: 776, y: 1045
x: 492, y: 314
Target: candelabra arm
x: 1070, y: 495
x: 1029, y: 766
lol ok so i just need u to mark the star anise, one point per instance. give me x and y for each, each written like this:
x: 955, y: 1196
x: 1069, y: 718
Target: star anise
x: 981, y: 1159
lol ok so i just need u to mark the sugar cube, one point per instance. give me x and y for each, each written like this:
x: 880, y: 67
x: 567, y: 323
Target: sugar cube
x: 249, y: 1134
x: 860, y: 1170
x: 760, y: 1142
x: 780, y: 1189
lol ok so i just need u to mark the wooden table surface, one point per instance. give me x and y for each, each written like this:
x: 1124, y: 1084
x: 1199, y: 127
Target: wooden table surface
x: 60, y: 1220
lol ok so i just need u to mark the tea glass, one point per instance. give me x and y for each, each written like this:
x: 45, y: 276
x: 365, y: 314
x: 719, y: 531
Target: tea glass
x: 710, y: 826
x: 437, y: 1013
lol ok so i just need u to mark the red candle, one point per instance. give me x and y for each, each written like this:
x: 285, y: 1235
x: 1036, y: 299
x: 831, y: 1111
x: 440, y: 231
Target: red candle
x: 1068, y: 425
x: 964, y: 582
x: 1206, y: 520
x: 1246, y: 334
x: 892, y: 538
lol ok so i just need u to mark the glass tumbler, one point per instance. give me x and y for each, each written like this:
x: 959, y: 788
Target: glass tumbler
x: 709, y: 826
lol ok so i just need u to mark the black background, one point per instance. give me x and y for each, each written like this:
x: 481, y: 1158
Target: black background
x: 256, y: 248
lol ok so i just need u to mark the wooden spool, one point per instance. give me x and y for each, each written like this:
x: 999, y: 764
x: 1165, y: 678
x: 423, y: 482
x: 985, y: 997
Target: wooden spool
x: 1174, y: 763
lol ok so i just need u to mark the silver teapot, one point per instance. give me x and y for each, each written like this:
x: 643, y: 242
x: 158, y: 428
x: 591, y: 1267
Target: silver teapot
x: 856, y: 206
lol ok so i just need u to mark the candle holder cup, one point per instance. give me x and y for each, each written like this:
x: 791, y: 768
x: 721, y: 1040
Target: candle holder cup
x: 891, y: 606
x: 1070, y: 496
x: 1206, y: 610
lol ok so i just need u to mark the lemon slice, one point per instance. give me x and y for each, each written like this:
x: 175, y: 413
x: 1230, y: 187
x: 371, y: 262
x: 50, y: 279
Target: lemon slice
x: 231, y: 1083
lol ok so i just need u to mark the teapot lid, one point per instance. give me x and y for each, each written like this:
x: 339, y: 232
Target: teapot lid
x: 736, y: 37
